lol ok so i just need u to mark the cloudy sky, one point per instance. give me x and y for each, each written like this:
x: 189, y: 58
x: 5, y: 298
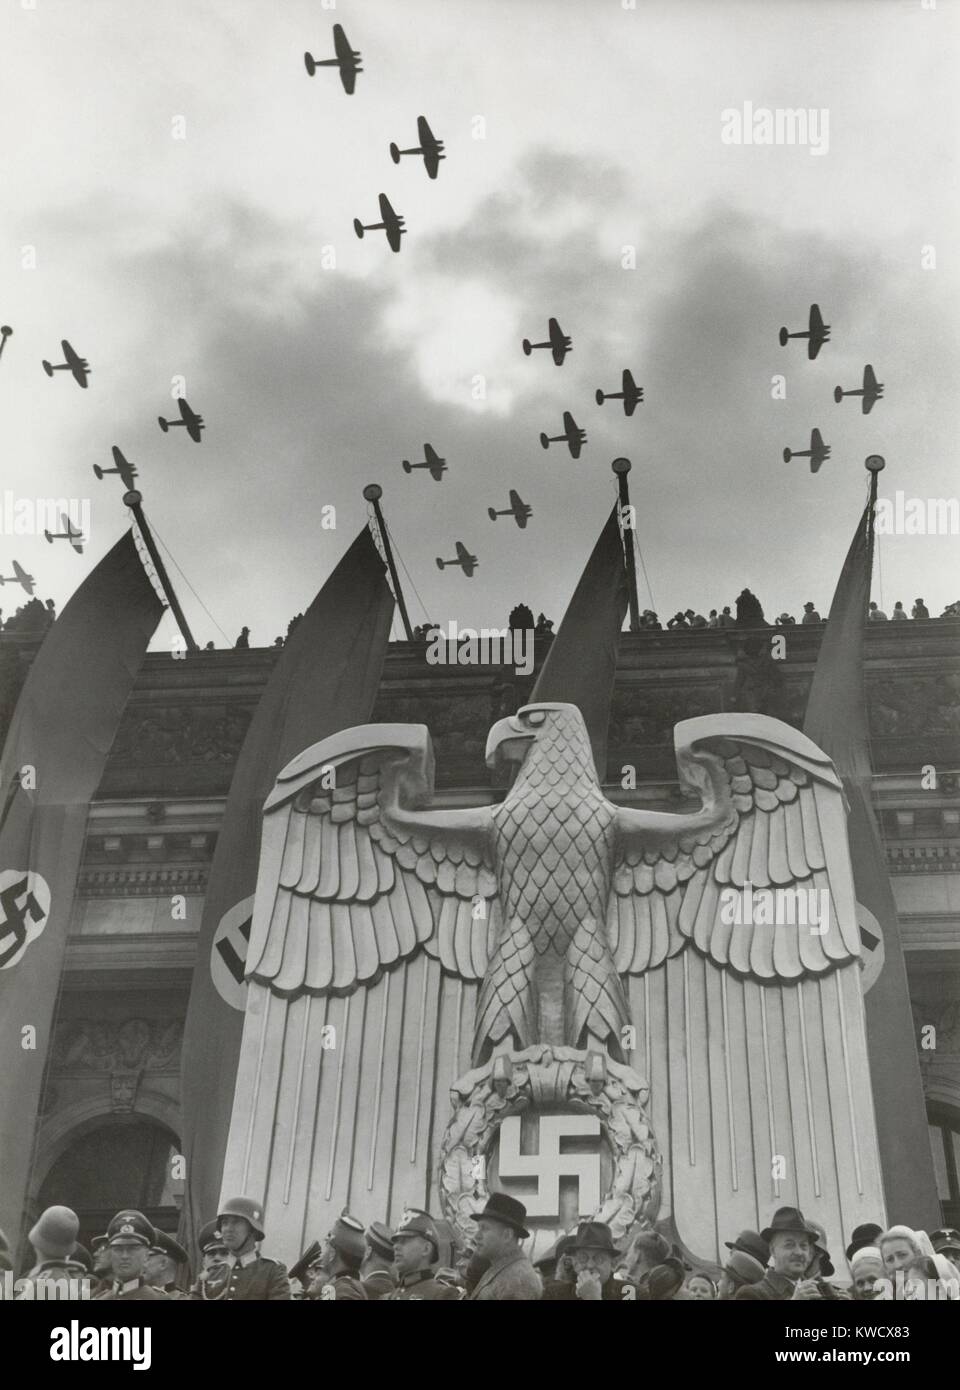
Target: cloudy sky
x: 573, y: 130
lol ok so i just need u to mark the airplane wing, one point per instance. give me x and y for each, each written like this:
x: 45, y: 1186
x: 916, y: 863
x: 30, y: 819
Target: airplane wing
x: 430, y: 146
x: 348, y: 60
x: 869, y: 379
x: 816, y: 321
x: 348, y: 76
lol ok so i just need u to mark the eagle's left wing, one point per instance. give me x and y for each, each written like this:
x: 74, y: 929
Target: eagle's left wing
x: 772, y: 817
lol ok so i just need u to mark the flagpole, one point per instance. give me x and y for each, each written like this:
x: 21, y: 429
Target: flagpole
x: 373, y: 492
x: 873, y: 464
x: 133, y: 500
x: 622, y: 467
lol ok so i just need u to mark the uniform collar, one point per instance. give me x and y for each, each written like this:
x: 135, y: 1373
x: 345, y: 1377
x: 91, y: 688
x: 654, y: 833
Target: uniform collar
x: 126, y: 1285
x: 249, y: 1258
x: 416, y: 1276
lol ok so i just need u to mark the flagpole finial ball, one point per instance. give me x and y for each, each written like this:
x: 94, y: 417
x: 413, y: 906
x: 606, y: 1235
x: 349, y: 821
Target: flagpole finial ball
x: 6, y: 330
x: 133, y: 498
x: 621, y: 465
x: 373, y: 492
x: 874, y: 463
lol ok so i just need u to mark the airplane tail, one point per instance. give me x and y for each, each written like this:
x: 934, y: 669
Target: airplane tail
x: 544, y: 442
x: 98, y: 471
x: 47, y: 367
x: 784, y: 335
x: 600, y: 397
x: 787, y: 455
x: 838, y: 394
x: 491, y: 513
x: 527, y: 348
x: 162, y: 423
x: 440, y: 563
x: 358, y: 227
x: 309, y: 64
x: 394, y: 153
x: 407, y: 466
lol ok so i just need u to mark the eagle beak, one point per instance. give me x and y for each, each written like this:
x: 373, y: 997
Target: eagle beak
x: 507, y: 742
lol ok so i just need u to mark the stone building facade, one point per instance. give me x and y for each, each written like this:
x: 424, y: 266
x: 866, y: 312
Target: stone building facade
x: 109, y: 1131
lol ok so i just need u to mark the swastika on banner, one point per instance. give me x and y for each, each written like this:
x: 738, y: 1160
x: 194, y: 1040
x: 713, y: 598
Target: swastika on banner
x: 228, y: 953
x: 24, y: 912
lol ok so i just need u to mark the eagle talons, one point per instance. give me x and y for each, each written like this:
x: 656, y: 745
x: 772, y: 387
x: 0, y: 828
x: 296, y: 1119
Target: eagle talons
x: 595, y: 1070
x: 502, y: 1075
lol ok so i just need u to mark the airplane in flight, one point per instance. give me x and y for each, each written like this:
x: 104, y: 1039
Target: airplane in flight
x: 558, y: 343
x: 817, y: 453
x: 630, y: 393
x: 26, y: 581
x: 818, y: 333
x: 871, y: 391
x: 436, y: 465
x: 5, y: 332
x: 192, y: 422
x: 126, y: 469
x: 573, y: 436
x: 430, y: 147
x: 518, y: 509
x: 72, y: 362
x: 67, y: 534
x: 389, y: 223
x: 467, y: 562
x: 347, y: 60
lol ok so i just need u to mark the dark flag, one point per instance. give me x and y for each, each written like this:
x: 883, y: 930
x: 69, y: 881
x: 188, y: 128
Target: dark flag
x: 53, y: 758
x: 325, y: 679
x: 836, y: 719
x: 581, y: 665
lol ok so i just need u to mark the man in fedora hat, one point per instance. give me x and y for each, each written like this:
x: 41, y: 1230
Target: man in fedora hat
x: 129, y: 1237
x: 555, y: 1266
x: 416, y: 1250
x: 509, y: 1277
x: 335, y: 1273
x: 595, y: 1256
x: 377, y: 1270
x: 792, y: 1241
x: 739, y: 1270
x: 751, y: 1243
x: 252, y: 1277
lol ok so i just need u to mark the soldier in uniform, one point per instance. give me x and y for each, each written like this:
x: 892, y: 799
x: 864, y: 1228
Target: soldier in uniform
x: 129, y: 1237
x: 252, y: 1277
x: 377, y: 1268
x: 211, y: 1283
x: 335, y: 1273
x: 163, y: 1259
x: 416, y: 1250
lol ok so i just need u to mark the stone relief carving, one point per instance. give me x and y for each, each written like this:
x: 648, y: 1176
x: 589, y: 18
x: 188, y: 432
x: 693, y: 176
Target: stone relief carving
x: 137, y: 1044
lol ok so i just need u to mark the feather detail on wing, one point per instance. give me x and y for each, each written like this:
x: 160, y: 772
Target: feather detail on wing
x: 358, y: 872
x: 771, y: 833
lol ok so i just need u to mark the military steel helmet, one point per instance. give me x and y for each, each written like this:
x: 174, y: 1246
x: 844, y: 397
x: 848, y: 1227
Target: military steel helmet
x: 251, y: 1211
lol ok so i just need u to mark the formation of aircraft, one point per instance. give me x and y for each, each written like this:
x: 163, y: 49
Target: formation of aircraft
x: 431, y: 460
x: 518, y: 509
x: 66, y: 534
x: 817, y: 333
x: 126, y: 469
x: 191, y: 421
x: 26, y: 581
x: 72, y: 362
x: 817, y: 453
x: 389, y: 222
x: 573, y: 436
x: 5, y: 332
x: 430, y: 148
x: 630, y: 393
x: 557, y: 341
x: 871, y: 391
x: 467, y: 562
x: 347, y: 60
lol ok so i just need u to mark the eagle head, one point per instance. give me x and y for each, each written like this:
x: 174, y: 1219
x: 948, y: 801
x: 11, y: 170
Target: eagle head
x: 510, y: 739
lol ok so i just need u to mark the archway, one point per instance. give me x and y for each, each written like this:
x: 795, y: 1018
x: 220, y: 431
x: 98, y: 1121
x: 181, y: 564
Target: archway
x: 112, y: 1162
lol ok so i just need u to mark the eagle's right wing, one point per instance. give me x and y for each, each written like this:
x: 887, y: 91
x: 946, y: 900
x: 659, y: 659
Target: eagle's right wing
x: 357, y: 876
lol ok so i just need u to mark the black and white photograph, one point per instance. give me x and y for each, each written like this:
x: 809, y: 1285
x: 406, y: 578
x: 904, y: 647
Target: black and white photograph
x: 480, y: 666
